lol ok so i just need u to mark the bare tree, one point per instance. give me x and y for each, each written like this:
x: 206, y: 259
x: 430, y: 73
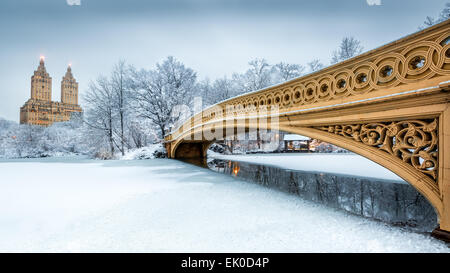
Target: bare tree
x: 287, y: 71
x: 258, y: 76
x: 108, y: 100
x: 443, y: 15
x: 141, y: 133
x: 204, y: 88
x: 221, y: 89
x: 121, y: 98
x: 315, y: 65
x: 429, y: 21
x: 100, y: 109
x: 158, y: 91
x: 349, y: 48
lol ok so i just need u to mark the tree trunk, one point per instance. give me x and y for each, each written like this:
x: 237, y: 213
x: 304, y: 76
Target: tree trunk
x: 258, y: 139
x: 163, y: 130
x: 111, y: 142
x: 121, y: 133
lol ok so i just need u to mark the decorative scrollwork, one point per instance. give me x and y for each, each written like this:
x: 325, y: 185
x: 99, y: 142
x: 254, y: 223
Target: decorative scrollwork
x: 403, y: 62
x: 413, y: 141
x: 416, y: 58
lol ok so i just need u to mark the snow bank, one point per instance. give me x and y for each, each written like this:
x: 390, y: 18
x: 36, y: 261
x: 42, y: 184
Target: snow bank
x: 149, y: 152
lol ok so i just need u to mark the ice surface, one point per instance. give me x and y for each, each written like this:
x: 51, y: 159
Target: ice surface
x: 349, y: 164
x: 163, y: 205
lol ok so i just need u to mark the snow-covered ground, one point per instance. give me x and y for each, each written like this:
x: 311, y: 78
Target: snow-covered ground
x: 341, y: 163
x: 149, y: 152
x: 163, y: 205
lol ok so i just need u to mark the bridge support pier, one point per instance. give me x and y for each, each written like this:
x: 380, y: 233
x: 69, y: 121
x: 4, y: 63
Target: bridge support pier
x: 441, y: 234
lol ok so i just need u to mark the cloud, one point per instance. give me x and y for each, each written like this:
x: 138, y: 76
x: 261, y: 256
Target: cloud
x: 77, y: 2
x: 373, y: 2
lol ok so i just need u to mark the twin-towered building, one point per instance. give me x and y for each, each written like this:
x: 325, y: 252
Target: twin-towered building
x: 40, y: 109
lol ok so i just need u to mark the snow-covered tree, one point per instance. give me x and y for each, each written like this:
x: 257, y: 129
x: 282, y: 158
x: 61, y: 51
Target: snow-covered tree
x: 121, y: 100
x: 348, y: 48
x: 111, y: 111
x: 158, y: 91
x: 443, y: 15
x: 29, y: 141
x: 286, y: 71
x: 258, y: 76
x: 224, y: 88
x: 206, y: 92
x: 221, y: 89
x: 429, y: 21
x: 100, y: 106
x: 315, y: 65
x: 141, y: 132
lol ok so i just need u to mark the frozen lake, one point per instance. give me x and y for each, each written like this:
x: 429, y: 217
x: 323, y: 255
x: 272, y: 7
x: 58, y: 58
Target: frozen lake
x: 340, y: 163
x: 163, y: 205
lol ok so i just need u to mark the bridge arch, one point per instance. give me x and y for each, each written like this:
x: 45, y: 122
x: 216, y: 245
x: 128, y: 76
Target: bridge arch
x: 390, y: 105
x: 381, y: 157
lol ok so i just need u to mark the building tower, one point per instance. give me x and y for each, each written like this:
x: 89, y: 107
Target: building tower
x: 40, y: 109
x: 69, y: 88
x: 41, y: 83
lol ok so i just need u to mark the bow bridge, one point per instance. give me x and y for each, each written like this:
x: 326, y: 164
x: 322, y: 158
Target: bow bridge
x: 390, y: 105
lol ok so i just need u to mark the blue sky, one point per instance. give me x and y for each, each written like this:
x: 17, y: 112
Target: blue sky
x: 214, y: 37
